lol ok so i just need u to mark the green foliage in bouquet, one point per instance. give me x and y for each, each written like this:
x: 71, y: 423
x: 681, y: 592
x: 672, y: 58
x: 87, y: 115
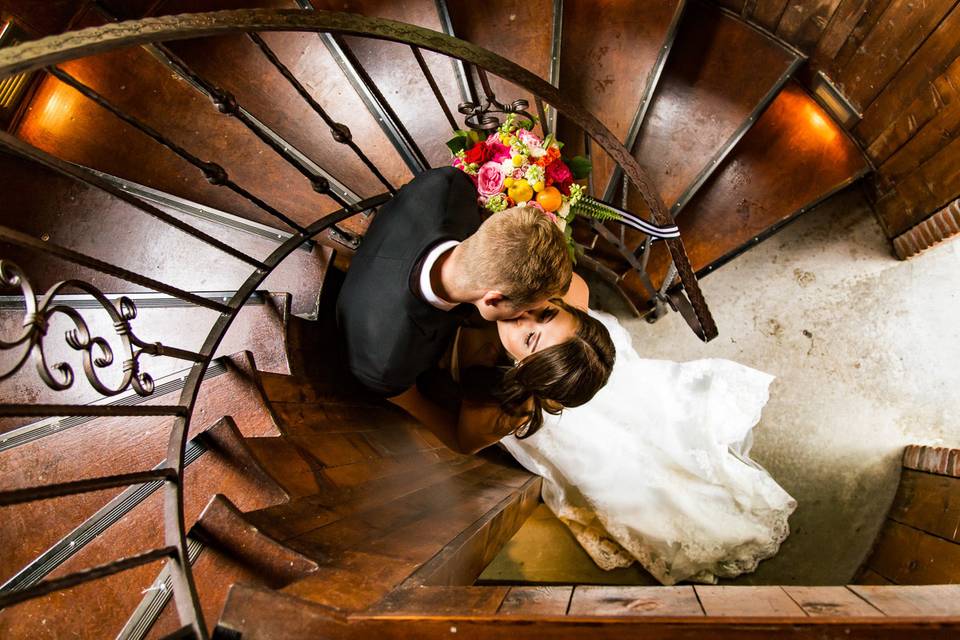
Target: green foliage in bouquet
x: 590, y: 208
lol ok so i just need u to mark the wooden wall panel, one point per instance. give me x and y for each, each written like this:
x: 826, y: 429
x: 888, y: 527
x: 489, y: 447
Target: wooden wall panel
x: 767, y: 13
x: 920, y: 541
x: 841, y: 24
x: 899, y: 32
x: 931, y: 60
x: 804, y: 21
x: 922, y: 191
x: 935, y: 105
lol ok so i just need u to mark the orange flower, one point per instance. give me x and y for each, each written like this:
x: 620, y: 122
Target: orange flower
x: 552, y: 154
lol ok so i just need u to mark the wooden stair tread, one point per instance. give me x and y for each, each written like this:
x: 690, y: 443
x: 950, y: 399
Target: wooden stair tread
x: 793, y: 157
x: 386, y: 528
x: 190, y: 119
x: 317, y: 390
x: 623, y: 46
x: 332, y: 504
x: 418, y: 109
x: 267, y: 95
x: 719, y: 71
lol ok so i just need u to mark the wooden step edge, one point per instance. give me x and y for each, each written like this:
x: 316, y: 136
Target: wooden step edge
x: 225, y: 440
x: 716, y: 161
x: 222, y: 549
x: 270, y: 331
x: 224, y: 527
x: 244, y: 365
x: 293, y: 617
x: 290, y: 616
x: 461, y: 560
x: 324, y: 256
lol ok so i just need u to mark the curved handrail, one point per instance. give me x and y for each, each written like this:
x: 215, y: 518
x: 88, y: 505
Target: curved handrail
x: 51, y: 50
x: 55, y: 49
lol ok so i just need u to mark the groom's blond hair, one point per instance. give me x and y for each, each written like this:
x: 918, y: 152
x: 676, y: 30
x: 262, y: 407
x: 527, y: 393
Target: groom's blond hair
x: 521, y: 253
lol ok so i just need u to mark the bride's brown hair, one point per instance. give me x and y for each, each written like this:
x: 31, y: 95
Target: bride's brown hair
x: 564, y: 375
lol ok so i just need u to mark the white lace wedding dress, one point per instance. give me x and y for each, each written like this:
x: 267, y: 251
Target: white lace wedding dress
x: 655, y: 468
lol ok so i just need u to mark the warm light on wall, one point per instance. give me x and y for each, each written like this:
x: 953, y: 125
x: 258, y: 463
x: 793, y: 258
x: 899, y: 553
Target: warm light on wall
x: 53, y: 105
x: 833, y: 100
x: 820, y: 122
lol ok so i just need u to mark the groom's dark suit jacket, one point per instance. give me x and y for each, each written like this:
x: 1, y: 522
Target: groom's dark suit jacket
x: 390, y: 334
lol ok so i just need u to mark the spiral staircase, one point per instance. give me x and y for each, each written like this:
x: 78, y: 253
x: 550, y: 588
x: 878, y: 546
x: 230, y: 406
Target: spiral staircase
x: 211, y: 471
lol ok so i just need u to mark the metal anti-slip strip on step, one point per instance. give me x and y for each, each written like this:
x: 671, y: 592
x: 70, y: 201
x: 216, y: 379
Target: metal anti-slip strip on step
x: 145, y: 300
x: 96, y: 524
x: 37, y: 430
x: 200, y: 211
x: 156, y: 598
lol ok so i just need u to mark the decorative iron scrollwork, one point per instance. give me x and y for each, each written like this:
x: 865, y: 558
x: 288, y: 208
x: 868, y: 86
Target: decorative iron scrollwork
x: 481, y: 118
x: 97, y: 352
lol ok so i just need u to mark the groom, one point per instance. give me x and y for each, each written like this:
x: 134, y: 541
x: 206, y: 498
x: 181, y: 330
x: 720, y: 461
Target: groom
x: 426, y: 258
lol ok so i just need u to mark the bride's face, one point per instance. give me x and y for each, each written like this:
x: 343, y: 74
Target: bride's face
x: 536, y: 330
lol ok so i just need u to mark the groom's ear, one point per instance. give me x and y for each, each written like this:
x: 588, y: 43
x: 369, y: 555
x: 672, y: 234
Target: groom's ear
x: 492, y: 298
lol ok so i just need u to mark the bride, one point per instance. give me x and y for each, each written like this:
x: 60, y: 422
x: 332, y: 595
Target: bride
x: 654, y: 468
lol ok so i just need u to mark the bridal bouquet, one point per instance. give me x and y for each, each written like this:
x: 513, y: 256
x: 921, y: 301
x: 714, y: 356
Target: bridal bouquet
x: 513, y: 166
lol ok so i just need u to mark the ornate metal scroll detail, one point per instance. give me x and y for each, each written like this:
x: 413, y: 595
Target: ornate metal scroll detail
x: 480, y: 116
x: 97, y: 352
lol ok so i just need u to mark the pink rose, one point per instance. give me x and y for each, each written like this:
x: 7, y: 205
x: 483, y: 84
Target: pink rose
x: 560, y: 175
x: 497, y: 150
x: 490, y: 179
x: 517, y: 173
x: 529, y: 139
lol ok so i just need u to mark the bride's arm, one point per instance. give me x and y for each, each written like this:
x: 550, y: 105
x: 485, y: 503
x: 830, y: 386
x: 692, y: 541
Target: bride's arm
x: 477, y: 426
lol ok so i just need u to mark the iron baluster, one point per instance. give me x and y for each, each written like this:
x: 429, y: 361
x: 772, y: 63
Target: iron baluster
x: 340, y: 132
x: 556, y: 45
x: 213, y: 172
x: 588, y: 151
x: 80, y: 577
x: 45, y: 492
x: 226, y: 103
x: 542, y: 114
x: 379, y: 106
x: 433, y: 86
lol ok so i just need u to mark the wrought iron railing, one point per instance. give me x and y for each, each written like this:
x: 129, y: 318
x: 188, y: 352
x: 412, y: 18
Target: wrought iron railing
x: 97, y: 355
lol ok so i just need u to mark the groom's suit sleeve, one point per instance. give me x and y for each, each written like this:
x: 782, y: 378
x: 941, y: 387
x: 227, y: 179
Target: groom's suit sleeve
x: 389, y: 335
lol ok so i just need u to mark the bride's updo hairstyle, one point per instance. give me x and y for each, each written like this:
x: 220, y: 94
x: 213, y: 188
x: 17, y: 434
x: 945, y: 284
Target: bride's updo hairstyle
x: 565, y: 375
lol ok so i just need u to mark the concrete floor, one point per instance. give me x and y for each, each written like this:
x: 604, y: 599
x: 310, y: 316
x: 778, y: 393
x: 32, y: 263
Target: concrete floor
x: 866, y: 350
